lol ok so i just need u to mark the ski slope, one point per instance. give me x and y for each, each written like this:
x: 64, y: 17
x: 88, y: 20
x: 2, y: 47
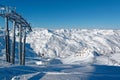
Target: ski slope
x: 65, y: 54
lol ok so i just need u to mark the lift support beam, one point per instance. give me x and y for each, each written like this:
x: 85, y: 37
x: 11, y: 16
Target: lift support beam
x: 9, y: 14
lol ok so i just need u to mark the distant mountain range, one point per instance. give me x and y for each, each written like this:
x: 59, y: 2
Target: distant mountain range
x: 73, y: 46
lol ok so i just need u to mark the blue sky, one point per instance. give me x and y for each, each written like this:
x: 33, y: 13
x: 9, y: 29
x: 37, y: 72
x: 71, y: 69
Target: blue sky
x: 103, y: 14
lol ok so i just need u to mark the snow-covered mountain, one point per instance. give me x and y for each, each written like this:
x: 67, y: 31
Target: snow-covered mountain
x: 61, y: 54
x: 73, y: 45
x: 76, y: 45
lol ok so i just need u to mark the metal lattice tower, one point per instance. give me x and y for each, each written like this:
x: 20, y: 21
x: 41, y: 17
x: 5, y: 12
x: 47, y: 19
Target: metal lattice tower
x: 9, y: 14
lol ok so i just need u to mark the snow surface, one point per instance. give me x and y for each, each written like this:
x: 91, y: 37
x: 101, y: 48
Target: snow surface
x: 65, y: 54
x: 77, y: 45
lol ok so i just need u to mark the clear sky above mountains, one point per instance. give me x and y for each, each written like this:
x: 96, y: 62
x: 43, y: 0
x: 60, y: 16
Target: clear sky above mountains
x: 104, y: 14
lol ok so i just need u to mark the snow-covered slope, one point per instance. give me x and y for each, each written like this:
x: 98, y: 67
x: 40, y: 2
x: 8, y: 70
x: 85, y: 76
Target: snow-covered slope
x: 72, y: 46
x: 77, y: 45
x: 65, y: 55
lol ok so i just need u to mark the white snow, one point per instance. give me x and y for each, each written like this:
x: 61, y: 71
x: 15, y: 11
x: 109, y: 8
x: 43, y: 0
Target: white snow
x: 76, y: 45
x: 65, y: 54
